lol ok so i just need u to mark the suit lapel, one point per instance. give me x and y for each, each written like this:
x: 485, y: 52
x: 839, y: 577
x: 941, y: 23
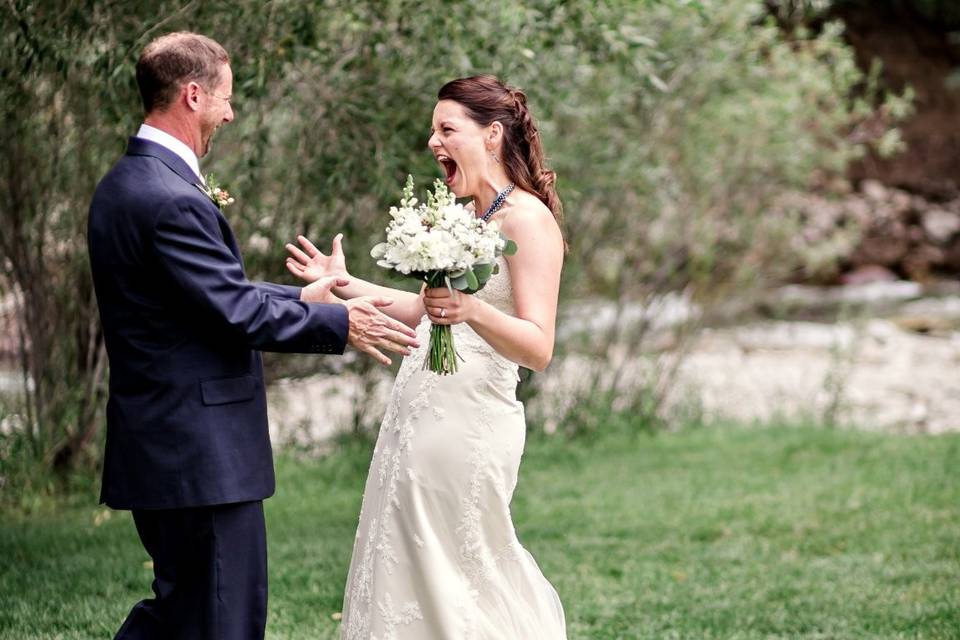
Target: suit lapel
x: 140, y: 147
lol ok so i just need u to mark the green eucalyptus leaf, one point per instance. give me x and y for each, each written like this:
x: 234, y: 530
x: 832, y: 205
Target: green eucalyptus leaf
x: 483, y: 271
x: 459, y: 283
x: 510, y: 249
x: 472, y: 281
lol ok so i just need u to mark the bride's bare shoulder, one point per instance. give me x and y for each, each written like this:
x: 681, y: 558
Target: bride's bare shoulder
x: 528, y: 215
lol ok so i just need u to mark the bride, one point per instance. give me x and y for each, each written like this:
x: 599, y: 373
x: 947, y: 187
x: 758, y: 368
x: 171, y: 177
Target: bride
x: 436, y: 555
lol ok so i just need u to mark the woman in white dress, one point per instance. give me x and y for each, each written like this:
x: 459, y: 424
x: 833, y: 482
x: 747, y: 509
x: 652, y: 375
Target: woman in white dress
x: 436, y: 555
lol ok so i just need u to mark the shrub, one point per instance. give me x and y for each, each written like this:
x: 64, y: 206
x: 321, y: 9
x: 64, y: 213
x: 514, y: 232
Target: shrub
x: 672, y: 125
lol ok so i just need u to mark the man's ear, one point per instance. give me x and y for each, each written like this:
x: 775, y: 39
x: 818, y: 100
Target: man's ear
x: 191, y: 95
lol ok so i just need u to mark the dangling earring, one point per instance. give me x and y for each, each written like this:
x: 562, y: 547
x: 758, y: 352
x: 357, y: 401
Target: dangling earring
x: 494, y: 156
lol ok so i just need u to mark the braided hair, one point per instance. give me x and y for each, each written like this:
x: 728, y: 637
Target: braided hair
x: 488, y: 100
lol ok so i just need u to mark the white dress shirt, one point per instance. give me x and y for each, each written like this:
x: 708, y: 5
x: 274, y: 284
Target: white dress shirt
x: 173, y: 144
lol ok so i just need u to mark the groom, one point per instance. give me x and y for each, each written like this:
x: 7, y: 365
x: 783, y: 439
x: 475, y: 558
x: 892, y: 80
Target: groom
x: 188, y: 449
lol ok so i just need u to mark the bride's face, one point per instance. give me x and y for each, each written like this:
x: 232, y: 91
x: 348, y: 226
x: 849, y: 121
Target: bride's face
x: 457, y: 142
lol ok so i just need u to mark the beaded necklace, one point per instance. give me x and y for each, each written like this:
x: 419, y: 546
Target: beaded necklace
x: 497, y: 202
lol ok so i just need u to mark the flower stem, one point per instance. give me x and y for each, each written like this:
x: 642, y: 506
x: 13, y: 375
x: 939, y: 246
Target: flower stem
x: 442, y: 357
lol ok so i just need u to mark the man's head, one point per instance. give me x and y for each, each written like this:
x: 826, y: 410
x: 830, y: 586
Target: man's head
x: 186, y: 82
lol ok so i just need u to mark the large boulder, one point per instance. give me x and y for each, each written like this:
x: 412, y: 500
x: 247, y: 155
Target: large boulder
x: 940, y: 225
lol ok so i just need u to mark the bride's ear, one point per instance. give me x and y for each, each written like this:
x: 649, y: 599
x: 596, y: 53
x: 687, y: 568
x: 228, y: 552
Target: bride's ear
x: 493, y: 135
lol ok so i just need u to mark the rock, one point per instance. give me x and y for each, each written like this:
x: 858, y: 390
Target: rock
x: 786, y: 336
x: 921, y: 260
x: 902, y: 232
x: 874, y: 190
x: 901, y: 201
x: 840, y: 186
x: 883, y: 214
x: 940, y: 225
x: 943, y: 307
x: 919, y: 203
x: 886, y: 250
x: 593, y: 317
x: 858, y: 209
x: 879, y: 292
x: 872, y: 293
x: 823, y: 217
x: 951, y: 256
x: 926, y: 324
x: 880, y: 376
x: 868, y: 273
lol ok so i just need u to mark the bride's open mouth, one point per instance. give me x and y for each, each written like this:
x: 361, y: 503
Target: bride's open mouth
x: 450, y: 167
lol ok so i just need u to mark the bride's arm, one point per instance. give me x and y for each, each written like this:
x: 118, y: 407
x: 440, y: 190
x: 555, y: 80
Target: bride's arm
x: 310, y: 264
x: 407, y: 307
x: 527, y: 338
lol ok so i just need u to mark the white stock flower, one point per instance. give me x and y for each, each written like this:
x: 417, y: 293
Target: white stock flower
x: 436, y: 235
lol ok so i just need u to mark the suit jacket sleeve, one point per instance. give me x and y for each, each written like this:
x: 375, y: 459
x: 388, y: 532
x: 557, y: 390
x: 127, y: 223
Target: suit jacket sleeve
x: 190, y: 246
x: 279, y: 290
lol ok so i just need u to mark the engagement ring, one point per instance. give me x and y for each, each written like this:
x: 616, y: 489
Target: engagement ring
x: 443, y: 313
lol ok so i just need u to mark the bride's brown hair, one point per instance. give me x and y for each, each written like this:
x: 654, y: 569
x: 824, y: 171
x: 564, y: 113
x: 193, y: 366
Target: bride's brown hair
x: 488, y: 100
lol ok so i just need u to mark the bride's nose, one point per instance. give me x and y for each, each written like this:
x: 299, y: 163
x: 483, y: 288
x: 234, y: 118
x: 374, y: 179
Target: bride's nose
x: 433, y: 142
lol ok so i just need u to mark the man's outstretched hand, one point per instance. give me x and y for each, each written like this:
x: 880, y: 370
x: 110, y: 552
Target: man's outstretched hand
x: 371, y: 330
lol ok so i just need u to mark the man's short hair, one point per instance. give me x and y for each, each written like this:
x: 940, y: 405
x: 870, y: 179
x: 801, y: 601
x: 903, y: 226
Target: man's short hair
x: 171, y: 60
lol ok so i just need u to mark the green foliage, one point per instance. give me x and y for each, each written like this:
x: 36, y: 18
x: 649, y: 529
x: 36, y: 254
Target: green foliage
x: 672, y: 125
x: 689, y: 175
x: 723, y: 533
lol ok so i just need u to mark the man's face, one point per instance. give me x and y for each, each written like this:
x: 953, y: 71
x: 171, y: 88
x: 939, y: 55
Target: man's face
x: 216, y: 110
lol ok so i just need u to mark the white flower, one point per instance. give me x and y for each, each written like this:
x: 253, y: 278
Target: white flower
x: 440, y: 241
x: 436, y: 236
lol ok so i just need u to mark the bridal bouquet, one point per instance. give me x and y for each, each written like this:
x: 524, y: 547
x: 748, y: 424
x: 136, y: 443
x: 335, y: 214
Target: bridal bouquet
x: 441, y: 243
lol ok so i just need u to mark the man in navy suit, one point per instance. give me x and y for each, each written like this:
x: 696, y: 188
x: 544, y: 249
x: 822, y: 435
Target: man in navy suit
x: 188, y: 449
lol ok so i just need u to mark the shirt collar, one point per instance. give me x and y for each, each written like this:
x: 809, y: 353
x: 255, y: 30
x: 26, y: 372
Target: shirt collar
x: 173, y: 144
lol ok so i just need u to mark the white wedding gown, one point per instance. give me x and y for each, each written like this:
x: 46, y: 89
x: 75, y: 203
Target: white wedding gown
x: 436, y: 556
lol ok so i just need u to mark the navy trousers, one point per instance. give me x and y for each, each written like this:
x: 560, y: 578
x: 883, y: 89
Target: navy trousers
x: 210, y: 574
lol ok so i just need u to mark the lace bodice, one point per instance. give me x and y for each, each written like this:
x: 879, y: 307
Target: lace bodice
x: 498, y: 290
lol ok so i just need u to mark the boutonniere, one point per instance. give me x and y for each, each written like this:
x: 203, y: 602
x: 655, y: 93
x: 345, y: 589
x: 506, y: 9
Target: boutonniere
x: 218, y: 195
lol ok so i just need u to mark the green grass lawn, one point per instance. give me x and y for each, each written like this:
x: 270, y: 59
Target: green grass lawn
x: 709, y: 533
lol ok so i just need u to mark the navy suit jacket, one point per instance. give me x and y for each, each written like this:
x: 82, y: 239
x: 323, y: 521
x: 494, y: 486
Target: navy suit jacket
x: 187, y: 413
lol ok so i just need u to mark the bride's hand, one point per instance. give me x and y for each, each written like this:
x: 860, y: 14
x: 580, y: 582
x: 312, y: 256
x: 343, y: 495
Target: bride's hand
x: 311, y: 264
x: 322, y: 290
x: 442, y: 308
